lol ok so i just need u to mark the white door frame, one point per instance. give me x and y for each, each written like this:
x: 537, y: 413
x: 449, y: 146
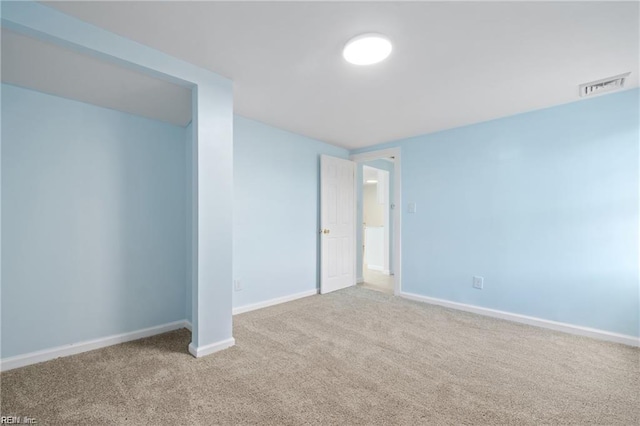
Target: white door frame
x: 397, y: 216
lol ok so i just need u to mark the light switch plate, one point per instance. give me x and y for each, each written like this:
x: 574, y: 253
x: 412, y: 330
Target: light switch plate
x: 412, y: 207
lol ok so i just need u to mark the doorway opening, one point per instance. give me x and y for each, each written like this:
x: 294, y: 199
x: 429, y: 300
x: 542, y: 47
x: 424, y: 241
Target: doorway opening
x: 378, y: 220
x: 376, y: 244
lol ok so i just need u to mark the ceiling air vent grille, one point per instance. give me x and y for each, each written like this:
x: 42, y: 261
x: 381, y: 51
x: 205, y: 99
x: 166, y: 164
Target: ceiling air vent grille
x: 604, y: 85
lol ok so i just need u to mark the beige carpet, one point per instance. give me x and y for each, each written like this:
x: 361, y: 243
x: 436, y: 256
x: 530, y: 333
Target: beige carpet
x: 347, y: 358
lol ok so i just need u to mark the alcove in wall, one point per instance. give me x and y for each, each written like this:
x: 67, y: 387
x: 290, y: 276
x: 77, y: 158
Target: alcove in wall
x: 98, y: 180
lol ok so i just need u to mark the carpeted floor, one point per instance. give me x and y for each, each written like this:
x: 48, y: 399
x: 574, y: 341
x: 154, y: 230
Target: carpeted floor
x: 347, y: 358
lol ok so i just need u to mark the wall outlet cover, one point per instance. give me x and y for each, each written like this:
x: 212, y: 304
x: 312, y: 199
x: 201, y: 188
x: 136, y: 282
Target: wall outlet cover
x: 478, y: 282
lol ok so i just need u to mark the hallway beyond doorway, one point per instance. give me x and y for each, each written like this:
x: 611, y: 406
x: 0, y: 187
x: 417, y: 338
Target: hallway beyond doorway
x: 376, y: 280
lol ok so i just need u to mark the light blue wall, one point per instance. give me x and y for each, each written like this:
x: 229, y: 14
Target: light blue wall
x: 212, y: 102
x: 543, y: 205
x: 383, y: 165
x: 276, y: 220
x: 93, y: 220
x: 0, y: 215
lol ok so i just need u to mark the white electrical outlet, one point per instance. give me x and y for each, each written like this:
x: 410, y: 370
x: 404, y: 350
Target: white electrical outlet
x: 478, y: 282
x: 237, y: 285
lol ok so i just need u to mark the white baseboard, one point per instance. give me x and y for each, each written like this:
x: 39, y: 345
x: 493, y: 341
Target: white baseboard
x: 359, y: 280
x: 66, y: 350
x: 271, y: 302
x: 386, y: 272
x: 524, y: 319
x: 209, y: 349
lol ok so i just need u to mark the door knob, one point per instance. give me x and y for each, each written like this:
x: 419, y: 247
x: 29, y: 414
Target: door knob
x: 325, y: 231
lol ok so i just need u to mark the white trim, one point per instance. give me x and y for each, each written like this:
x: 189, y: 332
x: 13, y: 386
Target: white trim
x: 89, y: 345
x: 276, y: 301
x: 387, y: 219
x: 375, y: 155
x: 213, y: 347
x: 534, y: 321
x: 375, y: 267
x: 355, y: 224
x: 397, y: 214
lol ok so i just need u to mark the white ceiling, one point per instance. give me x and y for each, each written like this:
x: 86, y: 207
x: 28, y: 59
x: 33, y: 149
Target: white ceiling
x: 34, y: 64
x: 453, y: 63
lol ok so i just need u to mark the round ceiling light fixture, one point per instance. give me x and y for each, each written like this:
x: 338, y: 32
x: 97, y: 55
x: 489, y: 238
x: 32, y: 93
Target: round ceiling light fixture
x: 367, y: 49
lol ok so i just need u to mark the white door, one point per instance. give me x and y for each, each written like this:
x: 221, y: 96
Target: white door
x: 337, y: 221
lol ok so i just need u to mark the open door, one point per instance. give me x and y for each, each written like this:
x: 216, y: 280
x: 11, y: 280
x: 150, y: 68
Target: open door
x: 337, y: 221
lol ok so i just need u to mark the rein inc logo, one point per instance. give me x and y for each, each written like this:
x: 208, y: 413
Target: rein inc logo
x: 17, y: 420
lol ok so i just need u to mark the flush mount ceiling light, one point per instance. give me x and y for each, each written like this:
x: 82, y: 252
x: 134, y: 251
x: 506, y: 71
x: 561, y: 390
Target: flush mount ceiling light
x: 367, y: 49
x: 372, y: 181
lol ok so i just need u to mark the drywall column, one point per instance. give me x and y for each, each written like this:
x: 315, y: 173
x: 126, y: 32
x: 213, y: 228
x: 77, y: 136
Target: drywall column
x: 213, y: 147
x: 213, y: 224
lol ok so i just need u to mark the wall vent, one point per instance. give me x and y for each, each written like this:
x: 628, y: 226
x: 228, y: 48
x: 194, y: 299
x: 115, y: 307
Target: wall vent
x: 604, y: 85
